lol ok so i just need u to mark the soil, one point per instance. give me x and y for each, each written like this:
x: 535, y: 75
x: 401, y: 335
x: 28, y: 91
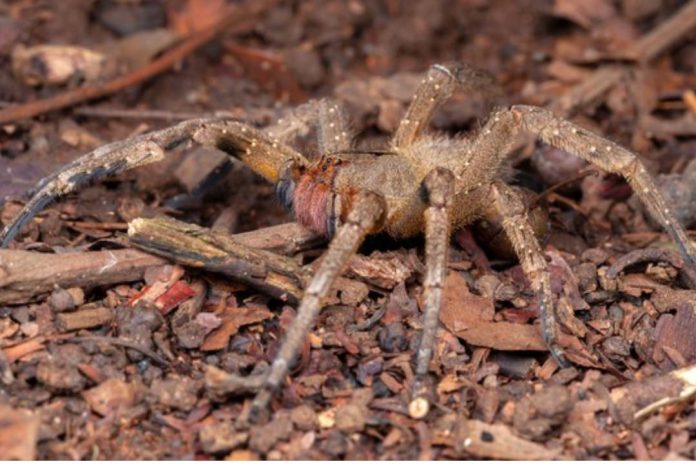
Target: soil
x: 109, y: 352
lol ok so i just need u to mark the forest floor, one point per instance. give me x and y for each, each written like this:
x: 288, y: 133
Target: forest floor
x: 109, y: 352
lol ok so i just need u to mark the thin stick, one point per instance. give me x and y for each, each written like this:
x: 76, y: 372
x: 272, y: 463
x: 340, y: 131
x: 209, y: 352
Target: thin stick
x: 249, y: 115
x: 229, y: 21
x: 581, y: 175
x: 120, y: 342
x: 197, y: 247
x: 643, y: 50
x: 664, y: 35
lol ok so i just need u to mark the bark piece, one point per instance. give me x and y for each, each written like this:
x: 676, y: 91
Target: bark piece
x: 84, y: 319
x: 19, y: 430
x: 636, y: 400
x: 26, y: 276
x: 497, y: 441
x: 470, y: 317
x: 232, y: 320
x: 198, y: 247
x: 110, y: 397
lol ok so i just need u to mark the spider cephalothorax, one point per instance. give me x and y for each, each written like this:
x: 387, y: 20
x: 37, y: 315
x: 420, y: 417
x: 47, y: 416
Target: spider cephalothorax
x: 422, y: 184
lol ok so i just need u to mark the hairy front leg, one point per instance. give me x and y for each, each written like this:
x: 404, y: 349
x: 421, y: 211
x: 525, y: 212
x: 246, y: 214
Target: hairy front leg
x: 437, y: 86
x: 365, y: 215
x: 521, y: 234
x: 327, y: 115
x: 438, y: 190
x: 262, y: 154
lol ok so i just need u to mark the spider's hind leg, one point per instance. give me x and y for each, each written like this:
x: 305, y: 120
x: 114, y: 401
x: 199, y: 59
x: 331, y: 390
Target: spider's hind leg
x: 520, y: 232
x: 610, y: 157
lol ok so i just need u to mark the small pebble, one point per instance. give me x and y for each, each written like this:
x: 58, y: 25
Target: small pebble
x: 418, y: 408
x: 327, y: 419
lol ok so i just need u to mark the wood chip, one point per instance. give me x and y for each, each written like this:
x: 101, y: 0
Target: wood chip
x: 110, y: 397
x: 19, y: 430
x: 488, y: 441
x: 84, y: 319
x: 470, y: 317
x: 28, y: 275
x: 232, y: 320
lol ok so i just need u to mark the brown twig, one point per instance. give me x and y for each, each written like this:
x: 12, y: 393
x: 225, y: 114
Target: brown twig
x: 29, y: 275
x: 194, y: 246
x: 664, y: 36
x: 248, y: 115
x: 97, y: 225
x: 84, y: 319
x: 118, y: 342
x: 636, y: 400
x: 581, y: 175
x: 643, y: 50
x: 229, y: 22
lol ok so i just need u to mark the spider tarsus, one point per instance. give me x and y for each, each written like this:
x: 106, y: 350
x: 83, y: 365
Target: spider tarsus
x: 558, y: 356
x: 259, y: 411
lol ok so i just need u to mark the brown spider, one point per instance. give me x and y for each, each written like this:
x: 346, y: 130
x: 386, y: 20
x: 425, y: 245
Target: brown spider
x: 424, y: 183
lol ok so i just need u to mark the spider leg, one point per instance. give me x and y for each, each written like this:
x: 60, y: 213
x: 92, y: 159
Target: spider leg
x: 611, y: 157
x: 334, y: 134
x: 261, y: 153
x: 438, y: 190
x: 437, y: 86
x: 521, y: 234
x: 366, y: 213
x: 104, y: 161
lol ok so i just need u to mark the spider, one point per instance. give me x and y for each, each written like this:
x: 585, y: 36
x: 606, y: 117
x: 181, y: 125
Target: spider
x: 423, y: 183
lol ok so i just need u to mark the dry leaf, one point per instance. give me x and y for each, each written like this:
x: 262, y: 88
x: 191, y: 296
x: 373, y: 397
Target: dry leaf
x: 232, y: 320
x: 584, y: 12
x: 110, y: 396
x: 59, y: 64
x: 269, y: 71
x: 196, y: 15
x: 19, y: 430
x: 498, y: 442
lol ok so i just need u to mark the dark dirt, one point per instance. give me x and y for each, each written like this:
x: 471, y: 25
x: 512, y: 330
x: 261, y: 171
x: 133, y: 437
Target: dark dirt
x: 115, y: 361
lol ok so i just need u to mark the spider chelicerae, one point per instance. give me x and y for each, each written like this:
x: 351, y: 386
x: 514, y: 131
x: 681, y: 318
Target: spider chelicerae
x: 424, y: 183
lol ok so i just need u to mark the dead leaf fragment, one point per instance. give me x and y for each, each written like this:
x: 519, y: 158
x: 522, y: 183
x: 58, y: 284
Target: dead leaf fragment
x: 232, y: 320
x: 196, y: 15
x: 584, y: 12
x: 498, y: 442
x: 470, y: 317
x: 110, y: 397
x: 19, y: 431
x: 269, y: 70
x: 59, y: 64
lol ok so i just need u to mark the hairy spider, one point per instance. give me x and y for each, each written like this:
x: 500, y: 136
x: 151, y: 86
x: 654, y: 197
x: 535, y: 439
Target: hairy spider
x: 423, y: 184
